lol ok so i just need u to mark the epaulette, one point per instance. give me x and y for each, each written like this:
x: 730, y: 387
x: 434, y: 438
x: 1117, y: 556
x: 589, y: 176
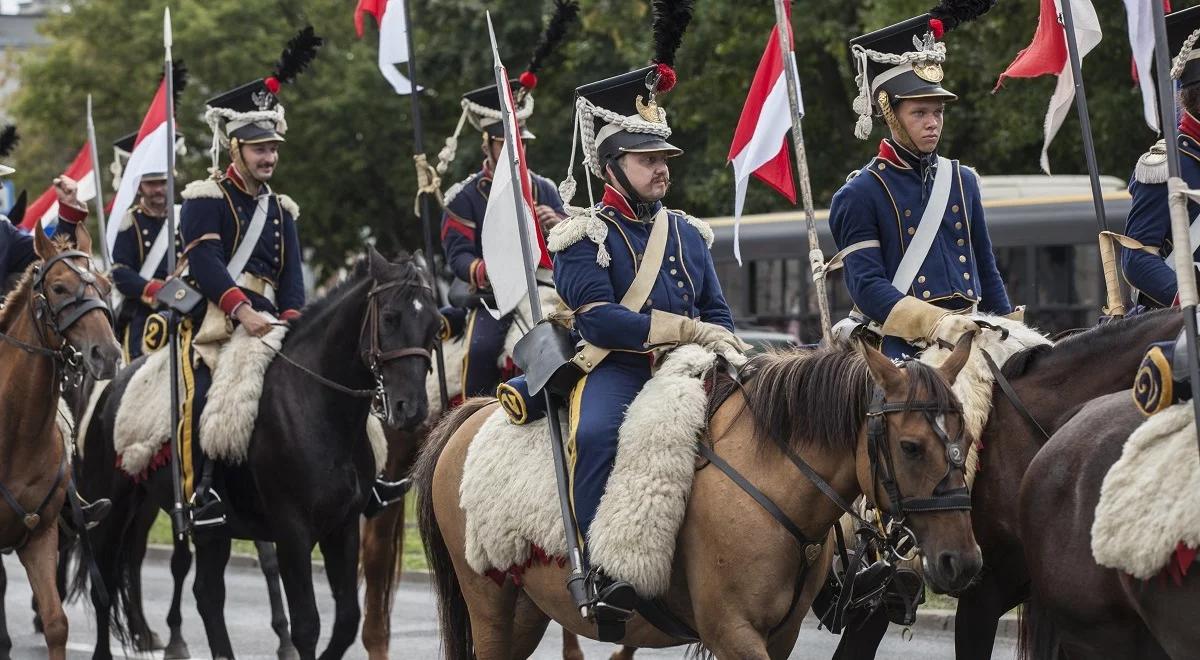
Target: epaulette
x: 701, y: 226
x: 453, y: 190
x: 580, y: 223
x: 1152, y: 166
x: 127, y: 219
x: 210, y: 188
x: 288, y: 204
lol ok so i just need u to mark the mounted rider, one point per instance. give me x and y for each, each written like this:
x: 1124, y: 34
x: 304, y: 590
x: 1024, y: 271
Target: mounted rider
x: 910, y: 222
x: 465, y: 206
x: 1146, y: 259
x: 139, y: 254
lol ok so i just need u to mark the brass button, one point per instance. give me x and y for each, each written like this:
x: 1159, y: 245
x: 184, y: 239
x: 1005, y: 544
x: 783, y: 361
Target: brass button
x: 921, y: 279
x: 276, y: 220
x: 907, y: 213
x: 966, y: 276
x: 970, y: 292
x: 961, y: 242
x: 673, y: 271
x: 954, y: 208
x: 925, y: 294
x: 679, y: 284
x: 958, y: 225
x: 671, y: 258
x: 912, y: 230
x: 882, y: 166
x: 147, y: 243
x: 962, y: 259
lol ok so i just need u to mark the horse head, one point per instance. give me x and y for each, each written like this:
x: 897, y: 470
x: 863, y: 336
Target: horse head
x: 910, y: 463
x: 70, y: 304
x: 398, y: 333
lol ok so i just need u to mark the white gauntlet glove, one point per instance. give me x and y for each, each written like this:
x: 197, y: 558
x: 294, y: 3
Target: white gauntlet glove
x: 668, y: 328
x: 914, y: 319
x: 951, y: 327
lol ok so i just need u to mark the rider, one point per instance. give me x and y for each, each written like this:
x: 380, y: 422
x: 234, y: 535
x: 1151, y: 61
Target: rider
x: 218, y: 213
x: 876, y: 215
x: 1147, y: 262
x: 462, y: 232
x: 138, y: 239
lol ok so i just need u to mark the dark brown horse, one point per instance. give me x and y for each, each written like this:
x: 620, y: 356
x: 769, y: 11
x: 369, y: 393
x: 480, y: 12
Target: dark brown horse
x: 1050, y: 381
x: 1079, y: 609
x: 54, y: 323
x: 811, y: 403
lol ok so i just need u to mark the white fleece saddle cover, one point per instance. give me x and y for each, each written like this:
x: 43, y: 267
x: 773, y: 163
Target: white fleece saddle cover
x: 974, y: 384
x: 142, y: 431
x: 1148, y: 504
x: 509, y: 496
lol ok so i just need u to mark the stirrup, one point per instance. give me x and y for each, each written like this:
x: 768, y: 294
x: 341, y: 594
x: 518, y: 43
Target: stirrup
x: 613, y: 604
x: 207, y: 508
x: 94, y: 512
x: 385, y: 494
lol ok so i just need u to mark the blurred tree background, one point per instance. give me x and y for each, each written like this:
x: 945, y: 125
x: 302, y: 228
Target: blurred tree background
x: 348, y: 160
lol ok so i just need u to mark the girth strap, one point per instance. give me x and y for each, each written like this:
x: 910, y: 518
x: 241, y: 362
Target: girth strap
x: 31, y: 520
x: 763, y: 501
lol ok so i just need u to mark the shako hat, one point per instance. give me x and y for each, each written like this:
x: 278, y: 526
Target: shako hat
x: 1183, y: 30
x: 8, y: 142
x: 123, y: 146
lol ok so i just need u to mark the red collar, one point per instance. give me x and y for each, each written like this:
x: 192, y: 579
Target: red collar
x: 615, y: 199
x: 234, y: 175
x: 486, y: 171
x: 889, y: 152
x: 1190, y: 126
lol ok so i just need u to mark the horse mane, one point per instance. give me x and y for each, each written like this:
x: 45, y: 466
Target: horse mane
x: 14, y: 302
x: 1099, y: 339
x: 410, y: 277
x: 801, y: 398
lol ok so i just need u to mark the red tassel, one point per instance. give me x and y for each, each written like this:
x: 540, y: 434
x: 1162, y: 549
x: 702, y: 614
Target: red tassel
x: 666, y: 77
x: 528, y: 79
x: 272, y: 84
x: 935, y: 24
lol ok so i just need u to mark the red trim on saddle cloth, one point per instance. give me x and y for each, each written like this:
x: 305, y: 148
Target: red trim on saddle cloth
x: 537, y: 556
x: 1179, y: 564
x: 161, y: 457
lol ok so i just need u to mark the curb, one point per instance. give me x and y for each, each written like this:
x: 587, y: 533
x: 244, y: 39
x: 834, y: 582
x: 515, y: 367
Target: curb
x: 937, y: 621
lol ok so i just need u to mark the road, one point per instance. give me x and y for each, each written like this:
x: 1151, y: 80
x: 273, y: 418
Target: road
x: 414, y: 624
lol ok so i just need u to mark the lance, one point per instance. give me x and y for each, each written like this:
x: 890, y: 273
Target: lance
x: 1185, y: 271
x: 178, y: 513
x: 1108, y: 254
x: 816, y: 260
x: 425, y: 186
x: 91, y: 133
x: 578, y: 573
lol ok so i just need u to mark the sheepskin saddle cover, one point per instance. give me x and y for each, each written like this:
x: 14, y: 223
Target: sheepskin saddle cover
x: 1147, y: 507
x: 975, y: 382
x: 510, y: 500
x: 143, y: 424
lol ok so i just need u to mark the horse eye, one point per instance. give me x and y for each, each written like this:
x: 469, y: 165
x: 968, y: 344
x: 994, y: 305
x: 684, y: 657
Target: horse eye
x: 59, y: 289
x: 910, y: 449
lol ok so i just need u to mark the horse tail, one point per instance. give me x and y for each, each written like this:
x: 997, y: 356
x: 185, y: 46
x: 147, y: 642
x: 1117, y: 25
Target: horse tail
x: 452, y: 606
x: 1038, y: 639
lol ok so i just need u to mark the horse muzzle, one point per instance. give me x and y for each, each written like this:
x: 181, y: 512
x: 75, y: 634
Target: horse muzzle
x: 102, y: 358
x: 951, y: 571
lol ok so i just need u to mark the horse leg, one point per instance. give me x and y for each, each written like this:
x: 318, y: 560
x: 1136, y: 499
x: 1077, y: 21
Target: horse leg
x: 181, y: 563
x: 571, y: 650
x: 144, y: 639
x: 381, y: 541
x: 863, y: 642
x: 40, y: 557
x: 341, y: 567
x: 529, y: 627
x: 268, y: 561
x: 212, y: 555
x: 5, y: 640
x: 981, y: 606
x: 294, y: 550
x: 626, y: 653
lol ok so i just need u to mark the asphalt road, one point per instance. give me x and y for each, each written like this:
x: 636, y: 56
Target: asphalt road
x: 414, y: 624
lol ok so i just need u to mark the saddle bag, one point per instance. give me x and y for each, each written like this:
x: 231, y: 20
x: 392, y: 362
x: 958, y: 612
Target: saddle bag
x: 546, y: 354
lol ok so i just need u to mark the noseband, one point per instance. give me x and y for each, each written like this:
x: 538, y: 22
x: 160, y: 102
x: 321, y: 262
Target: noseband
x: 61, y: 316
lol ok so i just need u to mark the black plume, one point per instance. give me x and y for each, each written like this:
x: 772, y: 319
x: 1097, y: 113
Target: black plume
x: 301, y: 50
x: 8, y: 140
x: 671, y: 18
x: 179, y: 79
x: 17, y: 213
x: 953, y: 13
x: 565, y: 13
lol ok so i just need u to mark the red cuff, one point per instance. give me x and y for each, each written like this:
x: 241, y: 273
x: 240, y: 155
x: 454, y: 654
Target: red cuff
x: 1175, y: 302
x: 479, y: 274
x: 289, y: 315
x: 231, y: 299
x: 151, y: 289
x: 71, y: 214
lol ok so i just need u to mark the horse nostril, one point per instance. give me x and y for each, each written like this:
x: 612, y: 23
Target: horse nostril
x: 948, y: 562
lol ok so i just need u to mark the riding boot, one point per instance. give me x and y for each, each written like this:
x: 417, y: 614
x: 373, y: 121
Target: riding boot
x: 384, y: 494
x: 612, y: 604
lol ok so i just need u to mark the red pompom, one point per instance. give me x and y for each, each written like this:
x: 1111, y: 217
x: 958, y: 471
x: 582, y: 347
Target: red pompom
x: 935, y: 24
x: 272, y: 84
x: 528, y: 79
x: 666, y: 77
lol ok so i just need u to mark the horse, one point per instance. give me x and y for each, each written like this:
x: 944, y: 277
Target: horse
x: 1049, y: 382
x: 1078, y: 608
x: 53, y: 325
x: 810, y: 407
x: 365, y: 343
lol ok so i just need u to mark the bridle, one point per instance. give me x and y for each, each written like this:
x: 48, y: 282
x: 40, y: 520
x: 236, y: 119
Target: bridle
x: 53, y: 320
x: 376, y: 357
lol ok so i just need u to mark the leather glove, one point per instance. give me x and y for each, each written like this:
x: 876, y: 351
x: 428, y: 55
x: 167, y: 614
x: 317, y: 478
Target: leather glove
x: 951, y: 327
x: 667, y: 328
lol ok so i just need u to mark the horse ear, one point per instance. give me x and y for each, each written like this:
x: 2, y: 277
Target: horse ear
x: 958, y: 357
x: 83, y: 239
x: 378, y: 263
x: 885, y: 373
x: 42, y: 245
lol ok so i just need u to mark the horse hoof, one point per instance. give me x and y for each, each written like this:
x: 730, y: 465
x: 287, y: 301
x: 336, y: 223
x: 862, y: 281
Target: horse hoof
x: 177, y: 651
x: 151, y: 642
x: 288, y: 653
x: 573, y: 654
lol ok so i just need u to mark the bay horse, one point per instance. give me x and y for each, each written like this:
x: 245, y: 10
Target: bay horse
x: 53, y: 325
x: 812, y: 404
x: 1077, y: 608
x: 1050, y: 382
x: 309, y: 468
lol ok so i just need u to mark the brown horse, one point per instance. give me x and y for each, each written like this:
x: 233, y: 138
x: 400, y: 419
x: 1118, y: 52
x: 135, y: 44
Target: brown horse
x: 1078, y: 608
x: 1050, y: 382
x: 814, y: 404
x: 53, y: 324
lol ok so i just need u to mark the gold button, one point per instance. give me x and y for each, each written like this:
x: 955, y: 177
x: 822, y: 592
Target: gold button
x: 907, y: 213
x: 954, y: 208
x: 962, y: 259
x: 925, y: 294
x: 970, y: 292
x: 961, y: 242
x: 921, y: 279
x: 882, y: 166
x: 912, y: 230
x: 958, y: 225
x: 966, y: 276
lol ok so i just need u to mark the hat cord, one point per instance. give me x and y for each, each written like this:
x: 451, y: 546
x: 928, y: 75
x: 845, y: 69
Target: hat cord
x: 1181, y: 60
x: 448, y: 152
x: 862, y: 103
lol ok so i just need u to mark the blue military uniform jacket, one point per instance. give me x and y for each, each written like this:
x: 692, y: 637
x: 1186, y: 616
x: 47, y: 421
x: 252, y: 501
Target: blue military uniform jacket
x: 884, y: 201
x: 588, y: 271
x: 137, y: 234
x: 462, y: 223
x: 16, y: 246
x: 1150, y: 218
x: 215, y: 215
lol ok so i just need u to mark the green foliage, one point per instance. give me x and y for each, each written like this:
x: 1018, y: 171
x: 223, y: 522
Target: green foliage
x: 348, y: 158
